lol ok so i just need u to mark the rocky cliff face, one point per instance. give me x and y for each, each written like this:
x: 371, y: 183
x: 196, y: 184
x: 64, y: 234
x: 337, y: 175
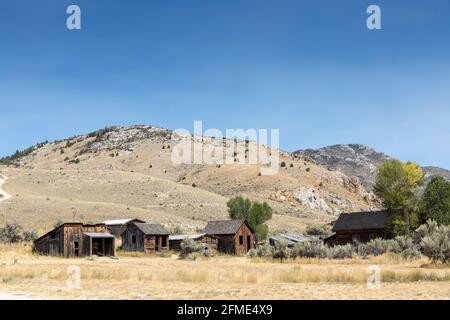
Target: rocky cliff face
x: 357, y: 160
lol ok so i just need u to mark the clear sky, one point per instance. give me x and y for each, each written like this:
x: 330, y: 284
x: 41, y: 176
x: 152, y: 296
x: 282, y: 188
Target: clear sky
x: 310, y: 68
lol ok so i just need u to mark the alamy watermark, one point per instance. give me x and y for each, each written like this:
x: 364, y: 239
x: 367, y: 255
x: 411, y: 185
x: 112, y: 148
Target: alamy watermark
x: 237, y: 146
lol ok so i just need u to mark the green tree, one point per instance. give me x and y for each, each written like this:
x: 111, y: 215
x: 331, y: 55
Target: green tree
x: 436, y: 201
x: 255, y: 213
x: 396, y: 184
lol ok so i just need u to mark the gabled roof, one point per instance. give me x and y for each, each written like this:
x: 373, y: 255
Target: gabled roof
x: 121, y: 221
x: 194, y: 236
x: 151, y: 229
x: 361, y: 221
x: 224, y: 226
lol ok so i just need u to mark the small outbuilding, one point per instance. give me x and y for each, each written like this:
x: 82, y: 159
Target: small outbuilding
x: 116, y: 227
x: 76, y: 240
x: 234, y: 236
x: 209, y: 241
x: 145, y: 237
x: 358, y: 227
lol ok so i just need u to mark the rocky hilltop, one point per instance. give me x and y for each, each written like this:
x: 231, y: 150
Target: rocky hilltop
x: 357, y: 160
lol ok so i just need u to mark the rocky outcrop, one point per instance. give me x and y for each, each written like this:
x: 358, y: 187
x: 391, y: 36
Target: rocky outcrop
x: 359, y: 161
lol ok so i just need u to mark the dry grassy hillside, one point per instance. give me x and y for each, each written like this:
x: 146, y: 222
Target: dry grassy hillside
x: 128, y: 172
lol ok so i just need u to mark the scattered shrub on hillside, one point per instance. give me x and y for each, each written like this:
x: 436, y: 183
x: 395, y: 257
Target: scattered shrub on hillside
x: 30, y: 236
x: 11, y: 233
x: 308, y: 169
x: 58, y: 223
x: 283, y: 164
x: 176, y: 230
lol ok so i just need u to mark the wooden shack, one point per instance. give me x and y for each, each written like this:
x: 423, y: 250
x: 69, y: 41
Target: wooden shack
x: 76, y: 240
x: 358, y: 227
x: 209, y: 241
x: 234, y: 236
x: 116, y: 227
x: 145, y: 237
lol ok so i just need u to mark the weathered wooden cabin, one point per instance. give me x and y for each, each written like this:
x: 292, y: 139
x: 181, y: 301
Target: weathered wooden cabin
x: 116, y: 227
x: 234, y: 236
x: 358, y: 227
x: 210, y: 242
x: 145, y: 237
x: 76, y: 240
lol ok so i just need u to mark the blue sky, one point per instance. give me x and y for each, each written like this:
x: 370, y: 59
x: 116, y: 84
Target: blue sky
x: 310, y: 68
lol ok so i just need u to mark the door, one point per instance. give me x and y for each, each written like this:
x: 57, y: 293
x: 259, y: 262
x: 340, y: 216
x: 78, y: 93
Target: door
x: 76, y: 248
x: 249, y: 243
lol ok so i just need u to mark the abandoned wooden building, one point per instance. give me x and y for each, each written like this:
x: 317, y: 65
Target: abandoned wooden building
x: 76, y: 239
x: 358, y: 227
x: 234, y: 236
x: 116, y: 227
x: 145, y: 237
x: 209, y: 241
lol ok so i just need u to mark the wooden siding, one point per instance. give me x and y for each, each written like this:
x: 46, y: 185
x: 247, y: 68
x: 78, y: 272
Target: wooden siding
x: 68, y: 241
x: 350, y: 236
x: 143, y: 243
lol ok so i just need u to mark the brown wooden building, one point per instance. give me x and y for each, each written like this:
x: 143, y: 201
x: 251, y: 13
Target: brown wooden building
x: 145, y: 237
x: 76, y: 239
x: 358, y: 227
x: 210, y: 242
x: 234, y: 236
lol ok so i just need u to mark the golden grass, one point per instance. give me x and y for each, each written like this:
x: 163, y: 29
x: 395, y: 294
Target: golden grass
x: 134, y: 276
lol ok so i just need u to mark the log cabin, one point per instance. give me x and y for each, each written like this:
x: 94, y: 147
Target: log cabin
x: 210, y: 242
x: 358, y: 227
x: 145, y: 237
x: 234, y: 236
x: 76, y: 240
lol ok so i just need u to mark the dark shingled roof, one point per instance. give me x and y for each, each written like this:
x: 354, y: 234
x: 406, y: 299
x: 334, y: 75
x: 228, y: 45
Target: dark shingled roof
x: 151, y: 229
x: 360, y: 221
x: 223, y: 227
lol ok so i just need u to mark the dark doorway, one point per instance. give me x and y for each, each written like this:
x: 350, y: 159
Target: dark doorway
x: 76, y: 248
x: 249, y: 243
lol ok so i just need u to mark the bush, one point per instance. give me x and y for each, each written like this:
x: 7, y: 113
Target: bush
x: 30, y: 236
x: 264, y: 250
x: 317, y: 230
x: 281, y: 250
x: 313, y: 249
x: 190, y: 249
x: 434, y: 241
x: 13, y: 233
x: 341, y: 252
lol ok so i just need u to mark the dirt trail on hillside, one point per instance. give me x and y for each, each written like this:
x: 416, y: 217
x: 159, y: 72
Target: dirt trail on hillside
x: 3, y: 194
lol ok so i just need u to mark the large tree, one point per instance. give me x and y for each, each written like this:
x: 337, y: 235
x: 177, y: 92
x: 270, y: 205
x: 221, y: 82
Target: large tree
x: 436, y: 201
x: 255, y: 213
x: 396, y: 185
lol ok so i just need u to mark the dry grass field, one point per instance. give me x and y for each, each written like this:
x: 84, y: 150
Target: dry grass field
x: 136, y: 276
